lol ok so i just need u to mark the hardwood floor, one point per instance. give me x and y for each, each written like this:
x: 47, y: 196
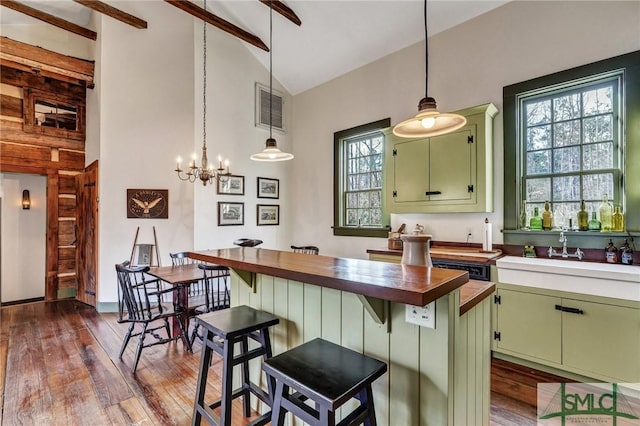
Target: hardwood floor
x: 60, y: 366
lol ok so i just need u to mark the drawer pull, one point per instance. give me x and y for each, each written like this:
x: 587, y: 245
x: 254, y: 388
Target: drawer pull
x: 569, y: 310
x: 433, y: 193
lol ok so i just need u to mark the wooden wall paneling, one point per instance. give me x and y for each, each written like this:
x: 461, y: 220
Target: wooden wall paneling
x: 295, y: 335
x: 66, y: 259
x: 12, y: 132
x: 312, y: 302
x: 281, y: 309
x: 86, y: 234
x: 11, y: 106
x: 51, y: 290
x: 67, y: 183
x: 332, y: 315
x: 67, y: 206
x: 404, y: 383
x: 67, y: 281
x: 377, y: 344
x: 71, y: 160
x: 24, y: 155
x: 66, y: 232
x: 25, y: 77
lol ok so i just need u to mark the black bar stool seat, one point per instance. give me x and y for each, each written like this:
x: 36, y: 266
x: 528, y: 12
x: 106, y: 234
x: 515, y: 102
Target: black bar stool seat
x: 222, y: 330
x: 328, y: 375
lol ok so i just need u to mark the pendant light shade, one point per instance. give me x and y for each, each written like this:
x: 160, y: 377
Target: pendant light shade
x: 271, y: 151
x: 428, y: 122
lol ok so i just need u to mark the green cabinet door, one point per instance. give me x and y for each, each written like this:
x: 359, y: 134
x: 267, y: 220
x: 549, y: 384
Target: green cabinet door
x: 529, y: 325
x: 452, y: 169
x: 410, y: 171
x: 602, y: 339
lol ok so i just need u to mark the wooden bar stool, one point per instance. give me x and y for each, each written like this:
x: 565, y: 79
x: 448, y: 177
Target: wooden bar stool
x: 222, y: 330
x: 327, y: 374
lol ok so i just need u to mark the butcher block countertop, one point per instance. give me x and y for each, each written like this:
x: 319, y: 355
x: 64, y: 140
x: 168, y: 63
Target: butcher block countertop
x: 473, y: 293
x: 409, y: 284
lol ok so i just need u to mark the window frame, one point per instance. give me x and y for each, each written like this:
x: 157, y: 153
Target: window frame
x: 339, y: 177
x: 629, y: 140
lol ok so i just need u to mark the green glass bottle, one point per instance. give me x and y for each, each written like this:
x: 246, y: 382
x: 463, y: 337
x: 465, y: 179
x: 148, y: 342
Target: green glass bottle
x: 535, y: 223
x: 594, y: 223
x: 605, y: 214
x: 617, y: 220
x: 546, y: 217
x: 583, y: 218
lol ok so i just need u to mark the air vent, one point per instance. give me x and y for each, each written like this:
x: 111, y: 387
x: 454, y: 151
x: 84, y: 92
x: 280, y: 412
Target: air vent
x: 262, y: 108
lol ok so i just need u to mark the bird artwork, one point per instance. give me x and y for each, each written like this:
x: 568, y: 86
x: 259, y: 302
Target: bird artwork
x: 146, y: 205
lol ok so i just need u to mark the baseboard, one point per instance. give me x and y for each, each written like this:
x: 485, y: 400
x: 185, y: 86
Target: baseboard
x: 23, y: 301
x: 107, y: 307
x: 551, y: 370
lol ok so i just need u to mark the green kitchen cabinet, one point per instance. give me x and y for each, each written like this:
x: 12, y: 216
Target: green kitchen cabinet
x: 528, y: 325
x: 446, y: 173
x: 602, y: 338
x: 592, y: 336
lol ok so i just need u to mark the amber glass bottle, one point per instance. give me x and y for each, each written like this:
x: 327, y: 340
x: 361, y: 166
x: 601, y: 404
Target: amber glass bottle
x: 611, y: 253
x: 626, y: 254
x: 617, y: 220
x: 583, y: 218
x: 546, y: 217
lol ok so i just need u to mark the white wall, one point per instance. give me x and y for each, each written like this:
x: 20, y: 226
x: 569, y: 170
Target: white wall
x: 24, y: 236
x: 468, y: 65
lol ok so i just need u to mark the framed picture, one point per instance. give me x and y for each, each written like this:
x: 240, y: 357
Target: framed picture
x: 268, y: 188
x: 267, y: 214
x: 143, y: 255
x: 230, y: 214
x: 231, y: 185
x: 147, y: 203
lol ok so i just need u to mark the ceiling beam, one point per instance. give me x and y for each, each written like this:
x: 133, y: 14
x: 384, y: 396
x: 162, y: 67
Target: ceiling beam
x: 50, y: 19
x: 218, y: 22
x: 283, y: 10
x: 111, y: 11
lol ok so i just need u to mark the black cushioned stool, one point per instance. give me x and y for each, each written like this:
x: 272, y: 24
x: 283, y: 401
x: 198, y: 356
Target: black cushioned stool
x: 327, y: 374
x: 222, y: 330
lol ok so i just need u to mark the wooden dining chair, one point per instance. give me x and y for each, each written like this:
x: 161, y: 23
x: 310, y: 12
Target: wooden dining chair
x: 217, y: 295
x: 305, y: 249
x: 140, y: 303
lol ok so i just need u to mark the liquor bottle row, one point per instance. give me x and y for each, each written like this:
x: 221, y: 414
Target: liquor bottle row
x: 608, y: 219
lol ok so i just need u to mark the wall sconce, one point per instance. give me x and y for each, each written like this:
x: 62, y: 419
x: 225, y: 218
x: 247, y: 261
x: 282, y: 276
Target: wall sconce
x: 26, y: 200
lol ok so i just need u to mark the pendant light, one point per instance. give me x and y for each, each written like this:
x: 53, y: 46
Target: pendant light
x: 428, y: 122
x: 271, y: 151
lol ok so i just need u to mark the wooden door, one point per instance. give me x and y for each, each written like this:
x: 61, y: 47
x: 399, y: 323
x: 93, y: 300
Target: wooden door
x: 87, y: 234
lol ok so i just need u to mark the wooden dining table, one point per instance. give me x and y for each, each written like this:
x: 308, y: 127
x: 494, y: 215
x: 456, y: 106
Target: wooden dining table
x: 180, y: 277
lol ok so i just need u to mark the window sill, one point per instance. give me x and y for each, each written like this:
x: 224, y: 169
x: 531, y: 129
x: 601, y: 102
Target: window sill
x: 352, y: 231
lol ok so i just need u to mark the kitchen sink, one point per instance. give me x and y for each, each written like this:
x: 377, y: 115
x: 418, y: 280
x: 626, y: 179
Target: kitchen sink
x: 598, y: 279
x: 464, y: 251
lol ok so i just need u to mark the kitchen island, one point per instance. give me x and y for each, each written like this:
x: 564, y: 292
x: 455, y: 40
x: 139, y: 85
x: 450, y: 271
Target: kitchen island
x: 436, y: 376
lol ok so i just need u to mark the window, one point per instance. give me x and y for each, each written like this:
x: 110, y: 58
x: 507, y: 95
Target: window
x: 358, y: 180
x: 573, y: 135
x: 54, y: 114
x: 570, y: 143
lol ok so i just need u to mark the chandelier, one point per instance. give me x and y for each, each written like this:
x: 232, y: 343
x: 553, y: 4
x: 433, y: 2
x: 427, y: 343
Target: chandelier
x: 206, y: 172
x: 271, y: 152
x: 428, y: 122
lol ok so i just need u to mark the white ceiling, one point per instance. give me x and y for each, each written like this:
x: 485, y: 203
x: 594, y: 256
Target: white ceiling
x: 335, y: 37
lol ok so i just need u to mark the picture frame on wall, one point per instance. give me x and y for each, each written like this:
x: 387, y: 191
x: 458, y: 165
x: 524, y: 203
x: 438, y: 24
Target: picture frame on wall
x: 230, y: 185
x: 230, y: 214
x: 268, y: 188
x: 267, y: 214
x: 147, y: 203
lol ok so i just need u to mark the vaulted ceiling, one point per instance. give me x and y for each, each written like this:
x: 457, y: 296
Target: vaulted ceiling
x: 334, y: 37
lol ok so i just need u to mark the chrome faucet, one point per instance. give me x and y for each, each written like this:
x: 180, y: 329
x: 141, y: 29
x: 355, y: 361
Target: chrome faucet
x: 565, y: 254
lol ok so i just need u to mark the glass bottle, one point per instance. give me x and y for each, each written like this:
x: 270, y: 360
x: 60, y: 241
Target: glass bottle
x: 626, y: 254
x: 605, y: 214
x: 583, y: 218
x: 535, y: 223
x: 594, y: 223
x: 522, y: 220
x: 546, y: 217
x: 617, y: 220
x: 611, y: 253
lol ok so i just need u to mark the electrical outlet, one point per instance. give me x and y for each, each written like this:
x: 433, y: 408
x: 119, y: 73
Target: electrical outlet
x: 424, y: 316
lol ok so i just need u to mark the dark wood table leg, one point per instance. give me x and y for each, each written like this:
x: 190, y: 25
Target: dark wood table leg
x: 181, y: 295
